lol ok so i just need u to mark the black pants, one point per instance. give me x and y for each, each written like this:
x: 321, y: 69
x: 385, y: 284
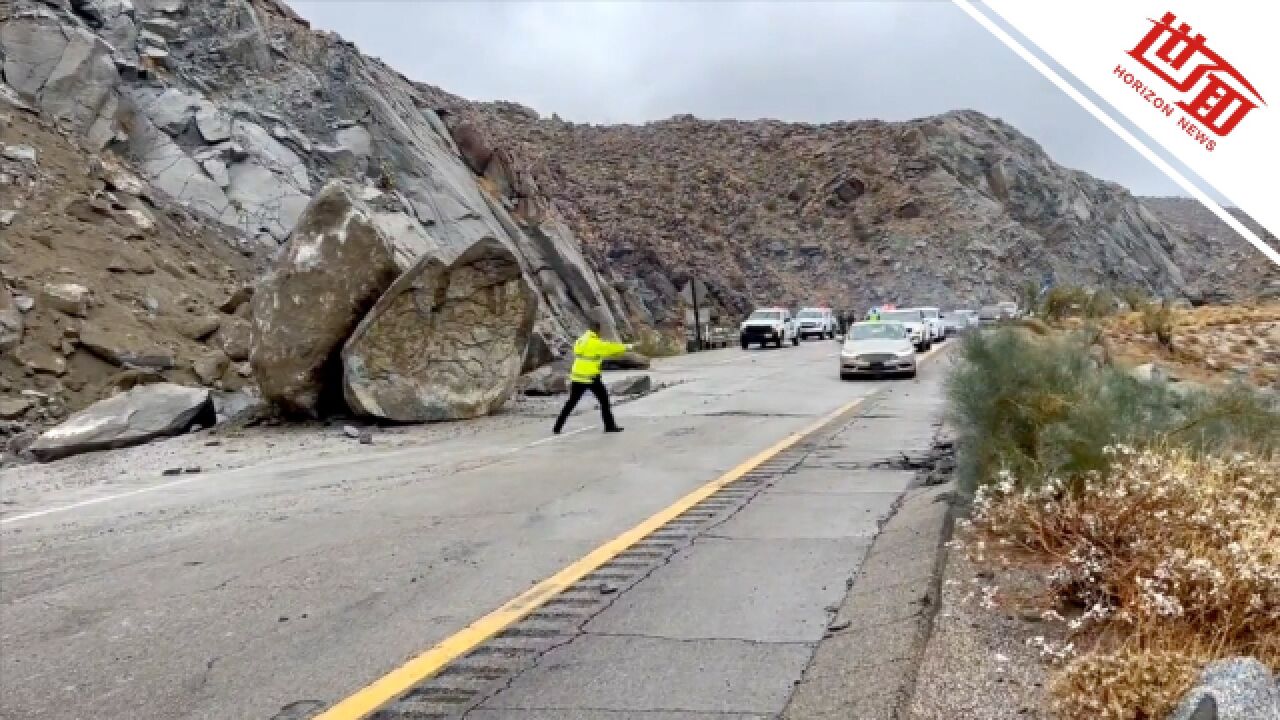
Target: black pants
x: 576, y: 390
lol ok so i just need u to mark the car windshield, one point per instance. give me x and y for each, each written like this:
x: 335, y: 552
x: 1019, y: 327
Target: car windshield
x: 930, y: 313
x: 766, y: 315
x: 989, y: 311
x: 903, y: 315
x: 810, y: 314
x: 876, y: 331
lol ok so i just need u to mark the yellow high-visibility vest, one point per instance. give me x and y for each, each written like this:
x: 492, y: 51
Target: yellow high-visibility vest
x: 589, y: 353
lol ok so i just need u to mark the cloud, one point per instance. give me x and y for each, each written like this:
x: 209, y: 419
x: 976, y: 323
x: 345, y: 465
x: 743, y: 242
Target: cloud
x: 801, y: 61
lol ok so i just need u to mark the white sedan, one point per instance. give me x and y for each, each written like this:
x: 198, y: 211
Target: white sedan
x: 877, y: 348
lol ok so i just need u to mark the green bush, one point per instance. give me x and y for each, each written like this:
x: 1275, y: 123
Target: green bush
x: 1063, y: 300
x: 1136, y: 298
x: 1157, y: 320
x: 1029, y: 297
x: 1040, y: 407
x: 1101, y: 303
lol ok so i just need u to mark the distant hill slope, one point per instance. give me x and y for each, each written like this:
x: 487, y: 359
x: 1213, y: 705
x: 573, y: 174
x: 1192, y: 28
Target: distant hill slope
x: 955, y: 209
x: 1231, y: 263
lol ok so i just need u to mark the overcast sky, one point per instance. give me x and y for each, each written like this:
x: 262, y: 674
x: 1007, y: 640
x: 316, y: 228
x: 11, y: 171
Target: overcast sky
x: 808, y: 61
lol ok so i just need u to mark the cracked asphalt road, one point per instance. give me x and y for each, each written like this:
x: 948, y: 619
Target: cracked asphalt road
x: 275, y: 589
x: 729, y: 625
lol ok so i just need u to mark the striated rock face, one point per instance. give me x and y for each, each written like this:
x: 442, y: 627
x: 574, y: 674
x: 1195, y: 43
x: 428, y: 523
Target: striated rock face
x: 64, y: 70
x: 445, y: 342
x: 335, y: 266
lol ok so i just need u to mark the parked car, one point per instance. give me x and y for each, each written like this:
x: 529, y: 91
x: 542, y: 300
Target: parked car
x: 933, y: 318
x: 768, y: 326
x: 816, y: 322
x: 913, y: 320
x: 877, y: 348
x: 990, y: 315
x: 1010, y: 310
x: 964, y: 319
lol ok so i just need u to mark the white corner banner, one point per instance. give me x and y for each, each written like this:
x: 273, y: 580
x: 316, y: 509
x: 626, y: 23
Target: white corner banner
x: 1201, y: 80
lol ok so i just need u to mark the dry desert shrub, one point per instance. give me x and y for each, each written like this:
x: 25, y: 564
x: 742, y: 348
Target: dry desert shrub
x: 1172, y: 559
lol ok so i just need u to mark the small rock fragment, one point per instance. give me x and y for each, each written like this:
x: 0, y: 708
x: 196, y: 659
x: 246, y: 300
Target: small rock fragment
x: 351, y: 431
x: 20, y: 153
x: 172, y: 471
x: 68, y: 298
x: 14, y: 408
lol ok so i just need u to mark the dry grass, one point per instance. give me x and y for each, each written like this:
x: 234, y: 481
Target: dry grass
x: 1166, y: 562
x: 1208, y: 343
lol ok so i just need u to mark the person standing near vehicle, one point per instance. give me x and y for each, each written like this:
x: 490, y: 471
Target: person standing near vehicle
x: 589, y: 354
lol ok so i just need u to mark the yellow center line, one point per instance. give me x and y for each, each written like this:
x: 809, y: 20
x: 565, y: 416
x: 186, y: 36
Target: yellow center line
x: 366, y: 701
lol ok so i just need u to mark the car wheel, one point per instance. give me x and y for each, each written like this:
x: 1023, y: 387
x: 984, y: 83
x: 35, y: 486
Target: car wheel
x: 745, y: 344
x: 911, y: 373
x: 845, y: 378
x: 795, y: 341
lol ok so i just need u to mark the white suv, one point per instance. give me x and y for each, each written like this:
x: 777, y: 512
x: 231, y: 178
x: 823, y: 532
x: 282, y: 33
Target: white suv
x: 816, y: 322
x: 933, y: 320
x: 769, y: 326
x: 917, y: 326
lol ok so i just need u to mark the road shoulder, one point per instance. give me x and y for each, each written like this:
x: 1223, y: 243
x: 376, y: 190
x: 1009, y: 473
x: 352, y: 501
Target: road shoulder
x: 866, y: 665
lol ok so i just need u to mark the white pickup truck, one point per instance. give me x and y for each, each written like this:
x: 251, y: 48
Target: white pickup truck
x: 768, y: 326
x: 816, y: 322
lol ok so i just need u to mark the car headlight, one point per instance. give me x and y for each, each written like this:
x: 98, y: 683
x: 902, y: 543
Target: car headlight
x: 905, y: 354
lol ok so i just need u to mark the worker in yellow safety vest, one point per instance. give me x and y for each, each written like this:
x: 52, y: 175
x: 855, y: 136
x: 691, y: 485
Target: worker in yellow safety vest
x: 874, y: 315
x: 589, y: 353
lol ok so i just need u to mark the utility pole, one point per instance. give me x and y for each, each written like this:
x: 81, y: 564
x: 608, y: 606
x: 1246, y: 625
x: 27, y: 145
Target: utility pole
x: 697, y: 316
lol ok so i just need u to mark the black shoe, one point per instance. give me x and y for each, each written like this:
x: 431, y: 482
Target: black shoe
x: 613, y: 429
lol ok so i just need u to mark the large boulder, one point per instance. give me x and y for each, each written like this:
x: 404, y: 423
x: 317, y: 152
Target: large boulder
x: 335, y: 267
x: 445, y: 342
x: 545, y: 381
x: 131, y: 418
x: 1238, y: 688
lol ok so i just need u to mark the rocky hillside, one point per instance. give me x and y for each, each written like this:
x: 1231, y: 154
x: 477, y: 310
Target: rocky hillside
x: 104, y: 286
x: 1235, y: 268
x: 161, y: 154
x: 960, y: 208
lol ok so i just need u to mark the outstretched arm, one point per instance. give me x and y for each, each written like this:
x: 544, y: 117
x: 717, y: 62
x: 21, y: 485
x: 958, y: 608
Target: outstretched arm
x: 612, y: 349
